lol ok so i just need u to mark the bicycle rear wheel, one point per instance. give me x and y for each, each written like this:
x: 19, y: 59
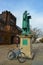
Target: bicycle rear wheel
x: 21, y: 57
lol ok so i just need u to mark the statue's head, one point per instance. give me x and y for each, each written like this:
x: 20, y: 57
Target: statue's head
x: 25, y: 11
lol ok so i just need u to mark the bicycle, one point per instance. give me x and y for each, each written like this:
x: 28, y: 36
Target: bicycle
x: 12, y: 54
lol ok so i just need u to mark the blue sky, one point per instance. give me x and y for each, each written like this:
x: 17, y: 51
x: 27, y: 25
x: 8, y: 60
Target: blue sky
x: 17, y: 7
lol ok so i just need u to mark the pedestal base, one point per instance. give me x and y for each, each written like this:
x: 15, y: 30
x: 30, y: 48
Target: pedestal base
x: 26, y: 45
x: 31, y: 56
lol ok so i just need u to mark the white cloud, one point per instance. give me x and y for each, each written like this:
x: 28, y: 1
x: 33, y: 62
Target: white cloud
x: 37, y: 20
x: 19, y: 18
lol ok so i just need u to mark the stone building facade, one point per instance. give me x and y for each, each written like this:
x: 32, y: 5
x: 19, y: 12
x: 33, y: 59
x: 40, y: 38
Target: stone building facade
x: 8, y: 28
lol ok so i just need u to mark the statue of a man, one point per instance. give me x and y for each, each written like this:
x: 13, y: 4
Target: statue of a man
x: 25, y: 23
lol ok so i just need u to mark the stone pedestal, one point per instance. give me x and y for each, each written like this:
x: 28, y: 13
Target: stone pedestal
x: 26, y: 45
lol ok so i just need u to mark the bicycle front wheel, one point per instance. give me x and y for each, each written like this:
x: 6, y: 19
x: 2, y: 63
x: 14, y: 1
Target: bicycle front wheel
x: 10, y: 55
x: 21, y: 57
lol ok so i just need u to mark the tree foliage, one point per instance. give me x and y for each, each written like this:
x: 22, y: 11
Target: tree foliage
x: 36, y: 33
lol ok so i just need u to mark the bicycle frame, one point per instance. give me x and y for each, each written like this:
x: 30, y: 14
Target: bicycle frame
x: 17, y: 52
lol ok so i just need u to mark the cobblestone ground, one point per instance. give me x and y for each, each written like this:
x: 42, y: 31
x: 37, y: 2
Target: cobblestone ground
x: 38, y: 58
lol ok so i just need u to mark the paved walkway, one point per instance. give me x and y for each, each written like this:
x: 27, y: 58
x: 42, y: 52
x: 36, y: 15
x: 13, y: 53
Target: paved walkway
x: 38, y: 58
